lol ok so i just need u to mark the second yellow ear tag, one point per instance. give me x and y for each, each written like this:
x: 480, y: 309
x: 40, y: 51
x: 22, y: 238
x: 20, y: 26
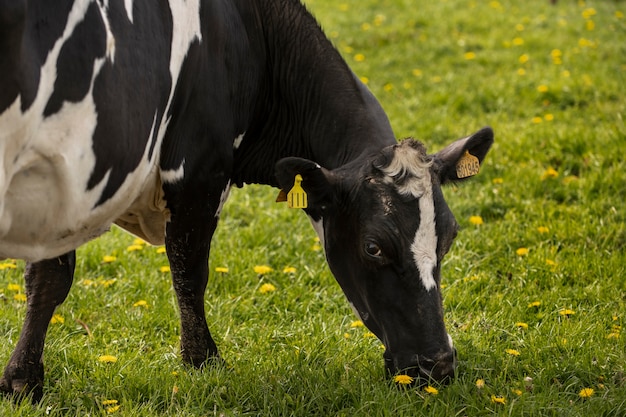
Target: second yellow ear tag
x: 296, y: 197
x: 467, y: 166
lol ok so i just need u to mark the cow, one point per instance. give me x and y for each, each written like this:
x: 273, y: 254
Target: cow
x: 144, y: 114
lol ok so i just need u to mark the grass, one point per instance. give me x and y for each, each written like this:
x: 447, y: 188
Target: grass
x: 534, y: 328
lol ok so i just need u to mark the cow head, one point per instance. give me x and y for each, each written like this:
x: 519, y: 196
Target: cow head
x: 386, y: 229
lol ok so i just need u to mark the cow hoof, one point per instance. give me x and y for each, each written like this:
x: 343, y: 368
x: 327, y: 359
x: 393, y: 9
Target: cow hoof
x: 20, y: 384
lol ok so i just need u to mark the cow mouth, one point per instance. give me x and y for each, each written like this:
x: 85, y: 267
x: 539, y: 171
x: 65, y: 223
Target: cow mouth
x: 422, y: 370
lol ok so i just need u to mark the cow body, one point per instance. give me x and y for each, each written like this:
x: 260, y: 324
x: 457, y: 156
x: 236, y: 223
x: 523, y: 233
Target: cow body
x: 144, y: 113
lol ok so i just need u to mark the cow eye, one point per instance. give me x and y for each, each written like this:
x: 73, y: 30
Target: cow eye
x: 373, y: 250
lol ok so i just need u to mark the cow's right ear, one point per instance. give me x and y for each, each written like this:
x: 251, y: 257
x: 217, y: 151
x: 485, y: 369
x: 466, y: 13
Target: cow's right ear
x: 316, y: 181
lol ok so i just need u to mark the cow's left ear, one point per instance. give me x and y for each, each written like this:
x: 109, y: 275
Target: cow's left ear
x: 462, y: 158
x: 316, y: 181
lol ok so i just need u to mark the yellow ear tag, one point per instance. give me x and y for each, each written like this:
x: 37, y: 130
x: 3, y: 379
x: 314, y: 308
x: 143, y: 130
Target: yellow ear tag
x: 467, y: 166
x: 296, y: 197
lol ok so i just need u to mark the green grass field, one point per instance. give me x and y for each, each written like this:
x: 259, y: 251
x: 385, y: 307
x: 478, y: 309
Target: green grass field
x: 534, y: 287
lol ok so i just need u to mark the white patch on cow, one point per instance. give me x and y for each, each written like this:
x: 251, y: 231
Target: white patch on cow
x: 450, y: 342
x: 408, y: 171
x: 238, y: 140
x: 318, y: 226
x: 110, y: 40
x: 45, y: 163
x: 424, y: 246
x: 172, y: 176
x: 128, y: 5
x: 223, y: 198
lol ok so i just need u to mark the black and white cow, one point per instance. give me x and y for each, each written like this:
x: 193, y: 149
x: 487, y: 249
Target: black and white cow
x: 144, y: 113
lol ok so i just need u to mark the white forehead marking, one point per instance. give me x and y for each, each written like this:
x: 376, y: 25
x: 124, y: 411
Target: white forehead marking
x: 238, y: 140
x: 424, y: 247
x: 408, y: 171
x: 128, y: 5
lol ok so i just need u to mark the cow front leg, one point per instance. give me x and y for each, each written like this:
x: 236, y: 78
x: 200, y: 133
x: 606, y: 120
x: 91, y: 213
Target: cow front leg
x: 187, y: 241
x: 47, y: 285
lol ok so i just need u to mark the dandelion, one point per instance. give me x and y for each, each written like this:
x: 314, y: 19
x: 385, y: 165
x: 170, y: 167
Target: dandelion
x: 262, y: 269
x: 512, y: 352
x: 109, y: 402
x: 476, y: 220
x: 534, y: 304
x: 359, y: 57
x: 619, y: 14
x: 549, y: 173
x: 20, y: 297
x: 498, y: 399
x: 524, y: 58
x: 613, y: 335
x: 542, y: 88
x: 265, y: 288
x: 107, y: 259
x: 548, y: 117
x: 141, y: 303
x: 388, y: 87
x: 517, y: 392
x: 589, y: 13
x: 519, y: 27
x: 221, y: 269
x: 417, y: 72
x: 589, y: 25
x: 586, y: 392
x: 567, y: 312
x: 356, y: 323
x: 364, y: 80
x: 403, y: 379
x: 289, y: 270
x: 497, y: 181
x: 7, y: 265
x: 431, y: 390
x: 521, y: 251
x: 107, y: 359
x: 469, y: 55
x: 480, y: 383
x: 536, y: 120
x: 543, y: 229
x: 518, y: 41
x: 57, y: 319
x: 165, y: 268
x: 161, y: 249
x: 521, y: 325
x: 550, y: 262
x: 14, y: 287
x: 344, y: 7
x: 107, y: 282
x: 134, y: 248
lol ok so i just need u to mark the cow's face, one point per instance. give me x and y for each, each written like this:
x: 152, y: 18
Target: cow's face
x: 386, y: 229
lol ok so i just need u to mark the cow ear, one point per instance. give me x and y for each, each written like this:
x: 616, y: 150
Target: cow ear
x: 316, y: 181
x: 462, y: 158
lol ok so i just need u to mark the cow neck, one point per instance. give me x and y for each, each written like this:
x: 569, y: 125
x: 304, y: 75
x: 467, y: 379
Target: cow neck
x: 310, y: 105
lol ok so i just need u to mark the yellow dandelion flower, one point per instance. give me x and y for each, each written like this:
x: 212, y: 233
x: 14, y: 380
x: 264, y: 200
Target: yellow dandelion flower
x: 550, y: 262
x: 586, y: 392
x: 359, y: 57
x: 548, y: 117
x: 379, y: 19
x: 566, y: 74
x: 536, y: 120
x: 469, y: 55
x: 498, y: 399
x: 14, y: 287
x: 365, y: 26
x: 221, y: 269
x: 316, y: 247
x: 590, y: 25
x: 57, y: 319
x: 356, y: 323
x: 403, y: 379
x: 388, y: 87
x: 519, y: 27
x: 521, y: 251
x: 344, y: 7
x: 265, y: 288
x: 517, y: 392
x: 524, y: 58
x: 549, y: 173
x: 369, y: 335
x: 480, y: 383
x: 112, y: 409
x: 431, y: 390
x: 165, y: 268
x: 109, y: 402
x: 346, y: 335
x: 613, y: 335
x: 141, y: 303
x: 20, y: 297
x: 556, y: 53
x: 134, y: 248
x: 534, y: 304
x: 567, y: 312
x: 589, y: 13
x: 107, y: 282
x: 518, y: 41
x: 289, y: 270
x: 161, y: 249
x: 108, y: 259
x: 139, y: 241
x: 107, y: 359
x: 512, y: 352
x: 476, y: 220
x: 619, y: 14
x: 7, y: 265
x: 364, y: 80
x: 543, y: 229
x: 417, y: 72
x: 497, y: 181
x: 88, y: 282
x: 521, y: 325
x: 262, y: 269
x: 542, y: 88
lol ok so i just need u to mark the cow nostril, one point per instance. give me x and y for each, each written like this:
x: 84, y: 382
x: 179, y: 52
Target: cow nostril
x: 440, y: 369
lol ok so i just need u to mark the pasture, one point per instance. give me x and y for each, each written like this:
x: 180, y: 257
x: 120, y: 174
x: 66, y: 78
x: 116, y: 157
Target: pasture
x: 534, y: 287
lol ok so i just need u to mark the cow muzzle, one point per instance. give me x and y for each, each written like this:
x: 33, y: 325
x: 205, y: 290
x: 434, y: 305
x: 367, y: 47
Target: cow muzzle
x: 440, y: 368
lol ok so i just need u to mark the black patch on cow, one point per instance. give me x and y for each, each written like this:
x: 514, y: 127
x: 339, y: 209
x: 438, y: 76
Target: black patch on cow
x: 76, y: 61
x: 131, y: 92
